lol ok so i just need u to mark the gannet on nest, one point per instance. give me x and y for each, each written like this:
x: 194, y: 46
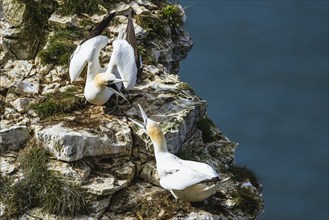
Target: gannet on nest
x: 186, y: 180
x: 123, y: 66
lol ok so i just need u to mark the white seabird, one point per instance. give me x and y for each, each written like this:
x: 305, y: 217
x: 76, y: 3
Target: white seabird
x: 103, y: 82
x: 186, y: 180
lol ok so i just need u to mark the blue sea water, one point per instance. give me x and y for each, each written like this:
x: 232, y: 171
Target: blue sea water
x: 262, y: 66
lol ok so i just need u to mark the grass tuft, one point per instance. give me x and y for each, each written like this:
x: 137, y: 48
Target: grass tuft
x: 58, y: 103
x: 40, y: 188
x: 152, y: 24
x: 172, y: 14
x: 61, y: 46
x: 63, y: 199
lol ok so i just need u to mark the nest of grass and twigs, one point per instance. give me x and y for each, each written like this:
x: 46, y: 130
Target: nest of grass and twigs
x: 162, y: 206
x: 41, y: 188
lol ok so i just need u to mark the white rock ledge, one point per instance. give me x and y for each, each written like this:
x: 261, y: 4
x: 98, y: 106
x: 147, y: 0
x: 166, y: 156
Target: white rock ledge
x: 69, y: 144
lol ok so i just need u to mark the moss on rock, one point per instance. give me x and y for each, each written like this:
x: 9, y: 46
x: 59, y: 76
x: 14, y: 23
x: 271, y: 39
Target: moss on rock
x: 58, y: 103
x: 61, y: 46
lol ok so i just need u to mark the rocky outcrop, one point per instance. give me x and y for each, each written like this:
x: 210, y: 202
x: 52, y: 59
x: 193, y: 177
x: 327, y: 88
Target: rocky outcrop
x: 13, y: 138
x: 100, y: 151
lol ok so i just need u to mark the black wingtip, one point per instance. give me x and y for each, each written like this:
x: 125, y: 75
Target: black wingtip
x: 212, y: 180
x: 98, y: 29
x: 131, y: 38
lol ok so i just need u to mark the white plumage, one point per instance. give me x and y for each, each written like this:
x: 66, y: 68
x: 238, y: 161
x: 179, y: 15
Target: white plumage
x: 120, y: 69
x: 187, y: 180
x: 123, y: 64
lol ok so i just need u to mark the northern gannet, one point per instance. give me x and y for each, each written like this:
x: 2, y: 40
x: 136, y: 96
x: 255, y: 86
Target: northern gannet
x: 103, y: 82
x: 186, y: 180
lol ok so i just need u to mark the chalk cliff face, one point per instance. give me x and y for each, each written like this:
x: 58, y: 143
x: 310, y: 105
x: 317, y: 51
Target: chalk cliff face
x: 103, y: 153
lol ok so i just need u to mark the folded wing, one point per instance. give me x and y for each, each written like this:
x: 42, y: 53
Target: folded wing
x: 187, y: 174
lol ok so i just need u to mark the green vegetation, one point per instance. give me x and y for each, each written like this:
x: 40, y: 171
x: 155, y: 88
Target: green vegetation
x: 80, y: 6
x: 247, y: 201
x: 242, y: 173
x: 36, y: 17
x: 152, y: 24
x: 58, y: 103
x: 172, y: 14
x: 150, y: 209
x: 61, y: 46
x: 40, y: 188
x: 205, y: 125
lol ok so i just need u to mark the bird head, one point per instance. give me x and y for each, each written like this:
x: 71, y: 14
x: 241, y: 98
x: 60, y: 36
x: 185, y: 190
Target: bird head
x: 148, y: 125
x: 103, y: 80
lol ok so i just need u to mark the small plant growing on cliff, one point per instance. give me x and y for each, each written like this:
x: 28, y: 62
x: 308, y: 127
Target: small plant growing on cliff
x: 172, y: 14
x: 152, y: 24
x: 40, y: 188
x: 60, y: 46
x: 58, y: 103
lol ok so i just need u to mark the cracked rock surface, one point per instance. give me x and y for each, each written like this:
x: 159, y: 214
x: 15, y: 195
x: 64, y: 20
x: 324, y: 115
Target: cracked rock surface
x: 102, y: 151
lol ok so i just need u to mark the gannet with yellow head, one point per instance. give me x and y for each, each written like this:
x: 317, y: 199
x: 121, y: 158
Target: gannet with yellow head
x: 103, y: 82
x: 186, y: 180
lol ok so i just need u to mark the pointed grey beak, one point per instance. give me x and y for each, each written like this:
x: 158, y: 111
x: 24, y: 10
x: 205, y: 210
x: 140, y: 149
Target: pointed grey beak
x: 117, y: 92
x: 111, y: 85
x: 117, y: 81
x: 144, y: 116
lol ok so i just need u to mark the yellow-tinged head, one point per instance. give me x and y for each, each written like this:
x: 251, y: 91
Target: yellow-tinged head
x: 100, y: 81
x: 153, y: 129
x: 103, y: 80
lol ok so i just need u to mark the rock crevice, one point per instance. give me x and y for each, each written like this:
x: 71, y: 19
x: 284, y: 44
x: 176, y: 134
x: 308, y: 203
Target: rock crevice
x: 103, y: 153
